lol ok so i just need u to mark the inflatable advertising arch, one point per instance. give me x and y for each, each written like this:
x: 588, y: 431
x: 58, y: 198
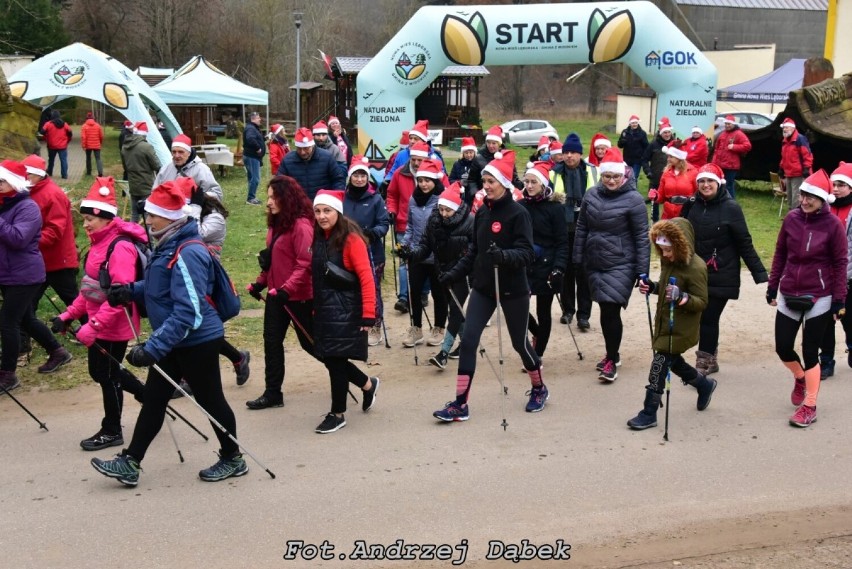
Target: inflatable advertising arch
x: 78, y: 70
x: 634, y: 33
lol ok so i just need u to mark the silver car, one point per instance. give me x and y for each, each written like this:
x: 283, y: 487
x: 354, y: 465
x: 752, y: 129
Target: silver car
x: 527, y: 132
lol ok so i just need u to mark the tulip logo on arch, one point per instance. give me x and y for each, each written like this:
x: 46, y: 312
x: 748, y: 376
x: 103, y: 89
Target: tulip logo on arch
x: 610, y: 37
x: 463, y: 41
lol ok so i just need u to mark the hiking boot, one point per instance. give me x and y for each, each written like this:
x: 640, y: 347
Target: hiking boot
x: 253, y: 201
x: 123, y: 468
x: 375, y: 336
x: 600, y: 365
x: 452, y: 411
x: 797, y: 397
x: 609, y: 373
x: 436, y: 336
x: 265, y: 402
x: 454, y: 354
x: 185, y: 386
x: 331, y: 423
x: 9, y: 381
x: 413, y: 337
x: 647, y: 417
x: 369, y: 396
x: 705, y: 387
x: 826, y: 369
x: 439, y: 360
x: 225, y: 468
x: 102, y: 439
x: 242, y: 367
x: 702, y: 361
x: 804, y: 416
x: 401, y: 306
x: 57, y: 358
x: 583, y: 325
x: 538, y: 397
x: 566, y: 318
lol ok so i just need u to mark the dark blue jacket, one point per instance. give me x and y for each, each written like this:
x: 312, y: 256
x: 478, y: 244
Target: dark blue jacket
x: 404, y: 155
x: 371, y: 215
x: 320, y: 172
x: 633, y: 143
x: 253, y: 145
x: 176, y: 298
x: 21, y: 262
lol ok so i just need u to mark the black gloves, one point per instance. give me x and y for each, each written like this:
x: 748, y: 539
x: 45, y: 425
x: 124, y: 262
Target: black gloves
x: 447, y: 279
x: 838, y: 310
x: 555, y: 280
x: 58, y: 325
x: 678, y: 200
x: 254, y: 290
x: 119, y: 295
x: 279, y: 293
x: 771, y: 294
x: 392, y: 219
x: 806, y: 172
x: 137, y: 356
x: 404, y: 252
x: 496, y: 254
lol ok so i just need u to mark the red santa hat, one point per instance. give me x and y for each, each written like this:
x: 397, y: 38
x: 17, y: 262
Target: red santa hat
x: 633, y: 119
x: 502, y: 167
x: 451, y: 197
x: 320, y: 128
x: 729, y: 119
x: 431, y: 169
x: 541, y: 170
x: 331, y: 198
x: 788, y: 122
x: 128, y: 124
x: 141, y: 128
x: 662, y: 121
x: 15, y: 174
x: 420, y: 130
x: 468, y: 143
x: 543, y: 143
x: 697, y: 130
x: 34, y: 164
x: 276, y: 128
x: 304, y: 138
x: 403, y: 140
x: 818, y: 184
x: 710, y: 172
x: 494, y: 133
x: 359, y: 162
x: 601, y: 140
x: 182, y: 141
x: 665, y: 125
x: 100, y: 201
x: 333, y: 119
x: 168, y: 201
x: 186, y: 185
x: 419, y: 150
x: 843, y: 173
x: 675, y: 148
x: 555, y: 148
x: 612, y: 162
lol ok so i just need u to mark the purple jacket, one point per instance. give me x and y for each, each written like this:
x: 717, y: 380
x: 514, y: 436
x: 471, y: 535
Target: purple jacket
x: 21, y: 262
x: 810, y: 256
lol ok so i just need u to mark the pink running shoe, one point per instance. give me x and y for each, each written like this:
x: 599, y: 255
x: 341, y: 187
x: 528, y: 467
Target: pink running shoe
x: 797, y: 397
x: 804, y: 416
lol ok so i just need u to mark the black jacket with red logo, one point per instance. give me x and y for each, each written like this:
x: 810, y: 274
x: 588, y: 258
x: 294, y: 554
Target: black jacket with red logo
x: 507, y: 224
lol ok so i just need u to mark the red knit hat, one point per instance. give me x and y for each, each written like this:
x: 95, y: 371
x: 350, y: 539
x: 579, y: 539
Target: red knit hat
x: 304, y: 138
x: 633, y: 118
x: 182, y: 141
x: 451, y: 197
x: 541, y: 170
x: 320, y: 128
x: 710, y: 171
x: 843, y: 173
x: 141, y: 128
x: 494, y: 133
x: 35, y: 164
x: 15, y: 174
x: 168, y: 201
x: 502, y: 167
x: 359, y: 162
x: 600, y: 140
x: 100, y: 201
x: 612, y: 162
x: 675, y: 148
x: 420, y: 150
x: 431, y: 169
x: 543, y: 143
x: 331, y: 198
x: 468, y: 143
x: 420, y: 130
x: 818, y: 184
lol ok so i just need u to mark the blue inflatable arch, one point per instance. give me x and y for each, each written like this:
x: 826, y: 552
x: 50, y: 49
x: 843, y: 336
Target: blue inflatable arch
x: 635, y: 33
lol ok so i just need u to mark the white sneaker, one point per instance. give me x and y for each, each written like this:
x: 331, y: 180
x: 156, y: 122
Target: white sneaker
x: 414, y: 337
x: 436, y: 336
x: 375, y: 336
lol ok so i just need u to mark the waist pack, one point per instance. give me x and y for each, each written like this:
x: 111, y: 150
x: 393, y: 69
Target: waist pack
x: 801, y: 303
x: 223, y: 298
x: 339, y: 278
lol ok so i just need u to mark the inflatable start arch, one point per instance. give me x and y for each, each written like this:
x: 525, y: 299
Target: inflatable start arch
x: 635, y: 33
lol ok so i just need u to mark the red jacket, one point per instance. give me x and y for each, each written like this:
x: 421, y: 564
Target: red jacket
x: 357, y: 260
x: 795, y: 156
x: 57, y: 230
x: 399, y: 194
x: 291, y: 261
x: 696, y: 151
x: 57, y: 138
x: 671, y: 185
x: 91, y: 135
x: 729, y: 158
x: 277, y: 152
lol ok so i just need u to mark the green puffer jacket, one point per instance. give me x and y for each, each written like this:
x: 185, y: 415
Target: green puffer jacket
x: 690, y: 272
x: 141, y: 163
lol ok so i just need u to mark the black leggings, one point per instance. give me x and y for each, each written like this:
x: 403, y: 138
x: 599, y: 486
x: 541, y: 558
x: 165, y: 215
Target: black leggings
x: 479, y: 310
x: 709, y: 329
x: 418, y: 274
x: 229, y: 351
x: 612, y: 328
x: 17, y: 314
x: 541, y: 327
x: 787, y: 328
x: 660, y: 369
x: 276, y: 320
x: 105, y: 370
x: 199, y: 366
x: 342, y: 372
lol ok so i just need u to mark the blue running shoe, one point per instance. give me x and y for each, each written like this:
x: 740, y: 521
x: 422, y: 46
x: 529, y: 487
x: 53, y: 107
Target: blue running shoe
x: 452, y: 411
x: 538, y: 397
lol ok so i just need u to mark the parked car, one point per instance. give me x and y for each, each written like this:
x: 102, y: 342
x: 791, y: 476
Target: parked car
x: 527, y: 132
x: 746, y: 121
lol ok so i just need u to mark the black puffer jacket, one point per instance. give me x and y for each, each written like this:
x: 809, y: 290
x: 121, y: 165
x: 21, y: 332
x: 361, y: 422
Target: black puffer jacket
x: 612, y: 241
x: 550, y: 242
x: 474, y: 176
x: 721, y: 234
x: 654, y: 161
x: 633, y: 143
x: 447, y: 238
x: 507, y: 224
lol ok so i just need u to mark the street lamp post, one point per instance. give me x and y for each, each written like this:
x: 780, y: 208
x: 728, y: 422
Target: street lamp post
x: 297, y: 16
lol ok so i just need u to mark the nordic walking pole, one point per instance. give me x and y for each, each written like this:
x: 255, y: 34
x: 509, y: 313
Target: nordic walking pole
x: 384, y: 326
x: 22, y: 406
x: 393, y: 258
x: 570, y: 331
x: 644, y: 278
x: 410, y: 315
x: 672, y: 281
x: 504, y: 424
x: 210, y: 417
x: 174, y: 438
x: 482, y: 352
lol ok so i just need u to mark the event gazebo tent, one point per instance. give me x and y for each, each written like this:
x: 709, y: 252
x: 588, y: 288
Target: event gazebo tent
x: 774, y: 87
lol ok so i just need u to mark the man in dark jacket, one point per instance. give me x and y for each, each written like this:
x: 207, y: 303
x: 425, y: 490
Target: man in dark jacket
x: 253, y: 151
x: 314, y: 168
x: 493, y: 144
x: 142, y: 165
x: 633, y: 143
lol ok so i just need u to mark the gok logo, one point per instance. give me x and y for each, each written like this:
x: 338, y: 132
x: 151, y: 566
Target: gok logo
x: 670, y: 59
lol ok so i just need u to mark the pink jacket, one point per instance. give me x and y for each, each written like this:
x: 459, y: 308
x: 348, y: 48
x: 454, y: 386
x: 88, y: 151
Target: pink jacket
x: 108, y: 323
x: 291, y: 261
